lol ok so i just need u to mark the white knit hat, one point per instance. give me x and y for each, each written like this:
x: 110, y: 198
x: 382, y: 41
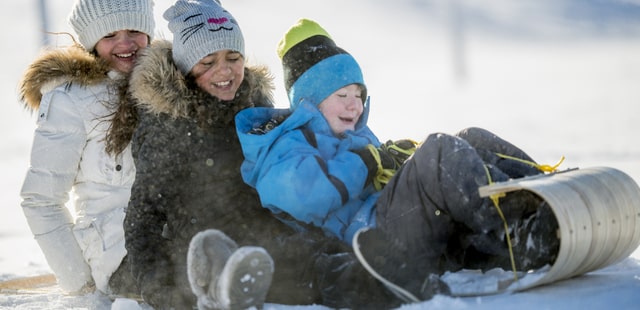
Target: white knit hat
x: 200, y: 28
x: 94, y: 19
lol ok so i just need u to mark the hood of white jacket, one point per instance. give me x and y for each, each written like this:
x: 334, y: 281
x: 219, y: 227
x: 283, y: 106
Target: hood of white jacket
x: 56, y: 67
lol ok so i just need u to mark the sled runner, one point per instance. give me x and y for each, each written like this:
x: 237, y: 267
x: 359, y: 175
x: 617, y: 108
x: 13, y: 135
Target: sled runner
x: 598, y: 212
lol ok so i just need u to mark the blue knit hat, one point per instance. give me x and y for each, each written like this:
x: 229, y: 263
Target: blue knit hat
x: 314, y: 67
x: 200, y: 28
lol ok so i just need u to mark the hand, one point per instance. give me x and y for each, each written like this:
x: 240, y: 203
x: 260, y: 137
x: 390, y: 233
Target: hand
x: 380, y: 164
x: 399, y: 150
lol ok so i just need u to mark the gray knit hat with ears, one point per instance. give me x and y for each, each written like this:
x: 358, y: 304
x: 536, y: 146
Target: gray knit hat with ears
x: 94, y: 19
x: 200, y: 28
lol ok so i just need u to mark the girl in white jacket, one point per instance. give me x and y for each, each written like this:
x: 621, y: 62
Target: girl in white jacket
x: 75, y: 91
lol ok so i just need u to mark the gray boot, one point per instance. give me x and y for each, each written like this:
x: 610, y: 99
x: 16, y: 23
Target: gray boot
x: 223, y: 276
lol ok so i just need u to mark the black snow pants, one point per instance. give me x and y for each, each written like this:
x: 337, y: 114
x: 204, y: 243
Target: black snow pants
x: 433, y: 208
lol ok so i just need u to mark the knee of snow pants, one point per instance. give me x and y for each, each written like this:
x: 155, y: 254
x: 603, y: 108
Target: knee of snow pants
x: 488, y: 146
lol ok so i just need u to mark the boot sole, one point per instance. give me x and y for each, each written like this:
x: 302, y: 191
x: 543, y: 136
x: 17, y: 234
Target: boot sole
x: 246, y: 278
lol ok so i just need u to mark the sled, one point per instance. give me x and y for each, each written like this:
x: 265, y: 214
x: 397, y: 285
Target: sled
x: 40, y: 284
x: 48, y: 284
x: 598, y: 213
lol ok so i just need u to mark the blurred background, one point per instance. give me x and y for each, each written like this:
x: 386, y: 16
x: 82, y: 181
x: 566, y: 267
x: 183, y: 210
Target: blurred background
x: 555, y: 77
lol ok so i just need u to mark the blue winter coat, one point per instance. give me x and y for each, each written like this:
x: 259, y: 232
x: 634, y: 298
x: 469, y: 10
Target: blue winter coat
x: 302, y: 169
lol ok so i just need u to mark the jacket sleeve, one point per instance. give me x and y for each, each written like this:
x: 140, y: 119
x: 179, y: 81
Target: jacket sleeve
x: 58, y: 142
x: 148, y: 249
x: 311, y: 185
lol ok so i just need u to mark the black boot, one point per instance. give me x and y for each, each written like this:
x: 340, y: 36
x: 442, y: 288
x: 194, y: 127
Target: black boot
x: 533, y: 232
x: 535, y: 238
x: 392, y: 264
x: 344, y: 283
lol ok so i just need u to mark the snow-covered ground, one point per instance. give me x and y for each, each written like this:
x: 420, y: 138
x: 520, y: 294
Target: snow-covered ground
x: 557, y: 78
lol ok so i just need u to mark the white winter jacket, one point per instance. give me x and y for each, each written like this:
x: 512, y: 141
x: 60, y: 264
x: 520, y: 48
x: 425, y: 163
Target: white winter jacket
x: 68, y: 156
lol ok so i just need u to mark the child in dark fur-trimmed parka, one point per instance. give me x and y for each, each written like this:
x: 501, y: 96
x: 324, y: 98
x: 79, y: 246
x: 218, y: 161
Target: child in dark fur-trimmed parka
x: 193, y: 229
x: 319, y: 163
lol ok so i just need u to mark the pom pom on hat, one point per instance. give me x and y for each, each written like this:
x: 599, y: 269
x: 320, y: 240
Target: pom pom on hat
x: 314, y: 67
x: 200, y: 28
x: 94, y: 19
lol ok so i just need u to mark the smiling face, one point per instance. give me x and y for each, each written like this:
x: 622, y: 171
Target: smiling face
x: 343, y: 108
x: 220, y: 74
x: 121, y: 48
x: 201, y: 28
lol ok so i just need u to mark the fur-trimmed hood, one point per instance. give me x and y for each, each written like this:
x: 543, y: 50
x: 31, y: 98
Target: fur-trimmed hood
x: 56, y: 67
x: 158, y: 86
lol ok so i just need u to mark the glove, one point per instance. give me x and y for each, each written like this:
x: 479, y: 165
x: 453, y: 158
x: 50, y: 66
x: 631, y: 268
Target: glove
x: 399, y: 150
x: 380, y: 164
x: 385, y: 160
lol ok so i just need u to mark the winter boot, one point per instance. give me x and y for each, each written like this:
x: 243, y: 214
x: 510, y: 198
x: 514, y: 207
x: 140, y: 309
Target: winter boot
x: 223, y: 276
x: 390, y: 263
x: 533, y: 231
x: 344, y: 283
x: 535, y: 238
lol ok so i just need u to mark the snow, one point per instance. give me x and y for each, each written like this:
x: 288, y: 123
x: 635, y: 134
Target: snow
x: 557, y: 78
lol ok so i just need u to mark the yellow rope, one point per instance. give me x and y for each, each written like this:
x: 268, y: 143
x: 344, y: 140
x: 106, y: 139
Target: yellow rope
x: 495, y: 198
x: 543, y: 168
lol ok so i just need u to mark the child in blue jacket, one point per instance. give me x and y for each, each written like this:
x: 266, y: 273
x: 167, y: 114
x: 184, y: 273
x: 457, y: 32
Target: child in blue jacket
x: 318, y: 163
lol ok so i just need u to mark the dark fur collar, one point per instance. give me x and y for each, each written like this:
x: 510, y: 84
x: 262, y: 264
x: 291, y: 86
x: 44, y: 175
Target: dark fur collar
x: 159, y: 87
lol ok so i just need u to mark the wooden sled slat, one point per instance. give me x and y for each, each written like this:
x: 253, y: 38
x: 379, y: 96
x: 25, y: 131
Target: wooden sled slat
x: 29, y: 285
